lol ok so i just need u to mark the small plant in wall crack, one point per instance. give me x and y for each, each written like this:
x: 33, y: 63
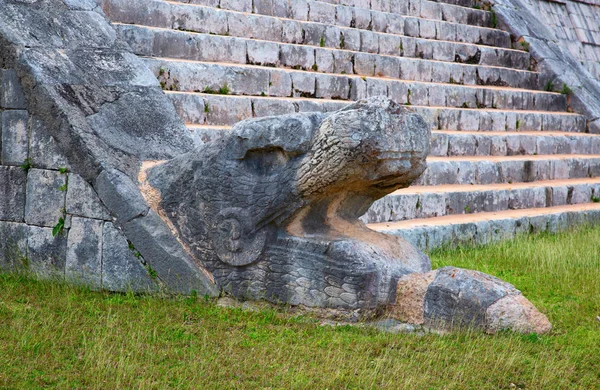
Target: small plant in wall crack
x: 566, y: 90
x: 27, y: 165
x: 59, y: 227
x: 65, y: 186
x: 135, y: 252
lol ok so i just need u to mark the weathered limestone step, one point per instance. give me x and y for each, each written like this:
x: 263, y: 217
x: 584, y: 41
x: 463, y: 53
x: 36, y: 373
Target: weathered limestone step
x: 484, y: 228
x: 471, y: 170
x: 194, y: 76
x: 201, y: 108
x: 452, y: 143
x: 463, y: 3
x: 365, y: 11
x: 438, y: 201
x: 467, y: 143
x: 320, y: 30
x: 161, y: 42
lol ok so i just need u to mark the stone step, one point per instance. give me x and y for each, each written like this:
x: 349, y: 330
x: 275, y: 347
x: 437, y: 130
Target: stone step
x: 430, y: 202
x: 471, y: 143
x: 365, y: 11
x: 326, y: 28
x: 484, y: 228
x: 477, y: 4
x: 251, y: 80
x: 202, y: 108
x: 366, y: 60
x: 483, y: 170
x: 446, y: 143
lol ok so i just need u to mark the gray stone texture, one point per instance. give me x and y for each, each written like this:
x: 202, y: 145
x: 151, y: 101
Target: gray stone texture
x: 46, y: 253
x: 460, y: 298
x: 13, y: 245
x: 45, y: 200
x: 11, y: 94
x: 15, y: 137
x: 122, y: 270
x: 82, y: 200
x: 529, y: 23
x: 43, y: 149
x: 12, y: 193
x: 84, y: 252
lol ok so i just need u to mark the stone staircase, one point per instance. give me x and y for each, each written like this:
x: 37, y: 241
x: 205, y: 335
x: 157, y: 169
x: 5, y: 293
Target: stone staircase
x: 507, y: 157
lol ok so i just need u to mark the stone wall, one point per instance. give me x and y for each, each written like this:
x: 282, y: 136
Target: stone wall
x: 80, y: 115
x: 52, y: 222
x: 562, y: 38
x: 576, y: 25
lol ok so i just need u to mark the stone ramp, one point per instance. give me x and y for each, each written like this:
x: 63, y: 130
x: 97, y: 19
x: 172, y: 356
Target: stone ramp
x: 507, y: 150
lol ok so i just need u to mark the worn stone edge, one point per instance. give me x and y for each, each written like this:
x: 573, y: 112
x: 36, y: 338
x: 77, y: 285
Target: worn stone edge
x: 553, y: 61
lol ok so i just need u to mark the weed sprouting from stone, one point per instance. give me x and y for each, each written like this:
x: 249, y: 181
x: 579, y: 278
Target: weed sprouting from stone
x: 59, y: 227
x: 224, y: 90
x: 566, y: 90
x: 27, y: 165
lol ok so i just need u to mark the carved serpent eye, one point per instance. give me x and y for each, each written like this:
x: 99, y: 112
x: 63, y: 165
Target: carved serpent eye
x: 234, y: 238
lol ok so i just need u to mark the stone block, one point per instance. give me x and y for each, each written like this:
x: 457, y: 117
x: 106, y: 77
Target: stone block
x: 364, y: 64
x: 263, y: 53
x: 344, y: 16
x: 294, y: 56
x: 377, y: 87
x: 15, y: 137
x: 303, y: 84
x: 459, y: 298
x: 369, y: 42
x: 11, y: 94
x: 395, y: 24
x: 44, y: 151
x: 166, y: 256
x: 322, y: 12
x: 82, y: 200
x: 362, y: 18
x: 84, y: 252
x: 299, y: 10
x: 47, y: 254
x: 390, y: 45
x: 280, y: 84
x: 332, y: 87
x: 218, y: 49
x: 12, y: 193
x: 343, y: 63
x: 237, y: 5
x: 121, y: 195
x: 379, y: 22
x: 45, y: 199
x: 13, y: 245
x: 190, y: 108
x: 324, y: 61
x: 292, y: 32
x: 263, y: 108
x: 122, y: 266
x: 226, y: 110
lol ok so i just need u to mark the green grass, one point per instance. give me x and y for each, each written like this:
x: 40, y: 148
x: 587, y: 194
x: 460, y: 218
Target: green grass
x: 55, y: 336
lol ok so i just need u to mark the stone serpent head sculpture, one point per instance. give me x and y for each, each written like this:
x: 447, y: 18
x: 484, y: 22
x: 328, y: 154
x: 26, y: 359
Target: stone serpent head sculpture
x: 271, y: 208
